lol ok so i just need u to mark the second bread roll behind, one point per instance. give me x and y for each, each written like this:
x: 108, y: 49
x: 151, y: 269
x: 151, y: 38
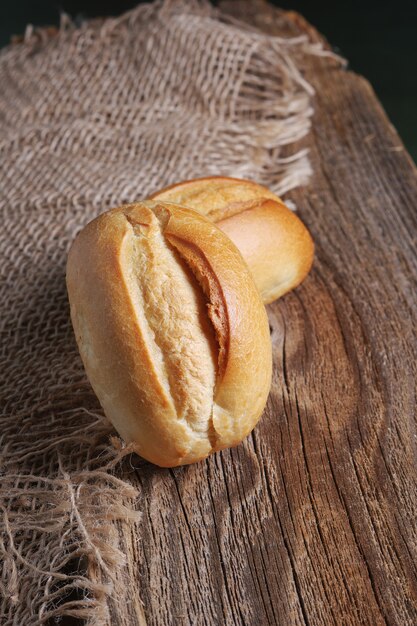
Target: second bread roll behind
x: 171, y: 329
x: 273, y: 241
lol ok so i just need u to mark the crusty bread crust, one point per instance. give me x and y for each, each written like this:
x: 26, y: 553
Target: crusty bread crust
x: 171, y: 329
x: 273, y: 241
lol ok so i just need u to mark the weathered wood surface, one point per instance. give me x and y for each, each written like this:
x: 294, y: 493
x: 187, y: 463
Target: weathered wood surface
x: 313, y: 519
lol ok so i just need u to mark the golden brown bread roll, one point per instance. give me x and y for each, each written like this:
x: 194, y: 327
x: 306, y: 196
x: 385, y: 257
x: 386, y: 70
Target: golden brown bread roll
x: 171, y: 329
x: 273, y: 241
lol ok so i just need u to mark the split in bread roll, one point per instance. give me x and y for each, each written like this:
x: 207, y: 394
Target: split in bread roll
x: 171, y: 329
x: 273, y: 241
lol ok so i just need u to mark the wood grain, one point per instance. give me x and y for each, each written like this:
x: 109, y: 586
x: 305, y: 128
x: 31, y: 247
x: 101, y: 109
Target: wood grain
x: 312, y: 521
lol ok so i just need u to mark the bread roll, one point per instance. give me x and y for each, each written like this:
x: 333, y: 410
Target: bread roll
x: 273, y: 241
x: 171, y: 329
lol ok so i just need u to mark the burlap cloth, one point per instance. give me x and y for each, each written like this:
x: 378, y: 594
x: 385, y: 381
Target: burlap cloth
x: 93, y: 117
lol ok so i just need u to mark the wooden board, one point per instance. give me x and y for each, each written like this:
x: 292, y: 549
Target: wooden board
x: 313, y: 519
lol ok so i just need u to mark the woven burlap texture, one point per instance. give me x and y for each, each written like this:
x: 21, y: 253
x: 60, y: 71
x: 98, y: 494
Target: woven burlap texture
x: 90, y: 118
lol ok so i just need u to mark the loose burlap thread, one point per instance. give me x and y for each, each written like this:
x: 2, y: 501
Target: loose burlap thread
x: 90, y: 118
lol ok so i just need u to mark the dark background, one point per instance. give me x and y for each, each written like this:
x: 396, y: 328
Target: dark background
x: 378, y: 38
